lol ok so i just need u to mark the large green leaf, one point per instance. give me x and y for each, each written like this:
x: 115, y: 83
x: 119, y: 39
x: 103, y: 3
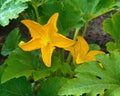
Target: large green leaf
x: 93, y: 79
x: 91, y: 8
x: 73, y: 13
x: 51, y: 86
x: 112, y: 46
x: 117, y: 3
x: 16, y: 87
x: 28, y: 64
x: 11, y: 42
x: 69, y: 17
x: 112, y: 27
x: 19, y: 63
x: 2, y: 67
x: 44, y: 71
x: 10, y: 9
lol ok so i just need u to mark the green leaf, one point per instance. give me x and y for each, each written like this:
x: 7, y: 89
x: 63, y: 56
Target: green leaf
x: 112, y: 46
x: 93, y: 79
x: 10, y: 9
x: 27, y: 64
x: 22, y: 62
x: 94, y: 47
x: 66, y: 69
x: 74, y: 13
x: 91, y: 8
x: 2, y: 67
x: 11, y: 42
x: 16, y: 87
x: 45, y: 71
x: 69, y: 17
x: 37, y: 75
x: 1, y: 2
x: 111, y: 26
x: 51, y: 86
x: 117, y: 3
x: 56, y: 63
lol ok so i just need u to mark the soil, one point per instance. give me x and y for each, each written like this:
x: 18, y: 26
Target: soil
x: 95, y: 33
x: 3, y: 34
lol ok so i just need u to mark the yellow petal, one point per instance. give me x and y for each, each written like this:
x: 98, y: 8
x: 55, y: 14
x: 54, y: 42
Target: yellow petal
x: 31, y: 45
x: 62, y: 42
x: 79, y: 60
x: 35, y: 28
x: 81, y: 46
x: 80, y: 49
x: 46, y: 54
x: 51, y: 26
x: 91, y: 55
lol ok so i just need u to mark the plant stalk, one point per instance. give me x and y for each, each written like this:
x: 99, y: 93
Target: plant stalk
x: 76, y: 34
x: 74, y: 38
x: 37, y: 13
x: 85, y: 29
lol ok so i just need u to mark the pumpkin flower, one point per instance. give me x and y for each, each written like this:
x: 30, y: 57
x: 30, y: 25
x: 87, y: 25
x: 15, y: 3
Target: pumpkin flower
x: 81, y: 53
x: 46, y: 38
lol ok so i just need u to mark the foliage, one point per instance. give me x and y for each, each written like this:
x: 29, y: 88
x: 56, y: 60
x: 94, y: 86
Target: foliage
x: 91, y: 9
x: 111, y: 26
x: 16, y: 87
x: 33, y: 69
x: 93, y: 79
x: 26, y: 65
x: 68, y: 22
x: 10, y: 9
x: 22, y: 66
x: 94, y: 47
x: 11, y: 42
x: 118, y: 3
x: 74, y: 13
x: 54, y: 84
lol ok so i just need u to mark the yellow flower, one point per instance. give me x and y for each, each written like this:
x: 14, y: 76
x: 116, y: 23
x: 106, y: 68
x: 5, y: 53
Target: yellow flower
x: 81, y: 53
x: 46, y: 38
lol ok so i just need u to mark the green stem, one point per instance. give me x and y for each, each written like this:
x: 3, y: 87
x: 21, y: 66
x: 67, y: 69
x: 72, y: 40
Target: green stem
x: 24, y: 16
x: 76, y: 34
x: 74, y: 38
x: 36, y: 12
x: 68, y: 58
x: 85, y: 29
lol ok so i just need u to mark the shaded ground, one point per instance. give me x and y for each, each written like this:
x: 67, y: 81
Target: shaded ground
x: 3, y: 34
x: 95, y: 33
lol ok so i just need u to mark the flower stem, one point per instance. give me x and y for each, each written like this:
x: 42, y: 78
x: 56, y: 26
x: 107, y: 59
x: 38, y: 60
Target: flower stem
x: 74, y: 38
x: 35, y: 6
x: 68, y: 58
x: 85, y: 29
x: 36, y: 12
x: 76, y: 34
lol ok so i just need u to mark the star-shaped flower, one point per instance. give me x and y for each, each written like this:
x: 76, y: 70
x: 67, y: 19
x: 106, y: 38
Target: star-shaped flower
x: 46, y: 38
x: 81, y: 53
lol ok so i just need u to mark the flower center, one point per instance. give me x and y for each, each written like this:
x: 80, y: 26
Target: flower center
x: 46, y: 41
